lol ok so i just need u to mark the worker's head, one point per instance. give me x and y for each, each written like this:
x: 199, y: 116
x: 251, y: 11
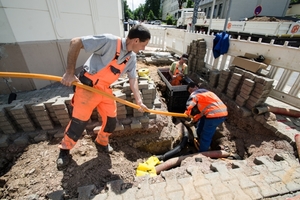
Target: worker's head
x: 183, y: 58
x: 137, y: 38
x: 191, y: 87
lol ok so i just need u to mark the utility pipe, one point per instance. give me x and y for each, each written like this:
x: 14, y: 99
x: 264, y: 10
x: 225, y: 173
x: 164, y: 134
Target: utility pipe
x: 173, y: 162
x: 57, y: 78
x: 281, y: 111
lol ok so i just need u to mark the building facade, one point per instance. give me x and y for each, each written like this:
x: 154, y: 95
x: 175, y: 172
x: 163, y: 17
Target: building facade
x: 239, y: 9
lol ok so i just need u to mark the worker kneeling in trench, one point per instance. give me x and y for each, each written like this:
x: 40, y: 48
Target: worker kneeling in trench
x: 209, y: 112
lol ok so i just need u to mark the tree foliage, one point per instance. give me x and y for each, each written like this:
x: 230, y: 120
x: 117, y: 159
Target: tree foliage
x: 180, y: 2
x: 170, y: 20
x: 127, y: 12
x: 139, y: 13
x: 154, y: 6
x: 190, y: 4
x: 150, y: 16
x: 295, y: 1
x: 151, y: 10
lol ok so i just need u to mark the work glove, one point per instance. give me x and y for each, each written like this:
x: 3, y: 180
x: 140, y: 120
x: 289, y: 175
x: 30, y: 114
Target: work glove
x: 190, y: 123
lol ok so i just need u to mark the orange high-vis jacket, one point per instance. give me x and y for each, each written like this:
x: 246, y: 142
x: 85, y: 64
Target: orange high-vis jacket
x: 177, y: 71
x: 205, y: 103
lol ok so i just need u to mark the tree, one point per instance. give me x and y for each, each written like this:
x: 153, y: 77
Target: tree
x: 170, y: 20
x: 190, y: 4
x: 139, y: 12
x: 180, y: 2
x: 150, y: 16
x: 295, y: 1
x: 153, y: 5
x: 127, y: 12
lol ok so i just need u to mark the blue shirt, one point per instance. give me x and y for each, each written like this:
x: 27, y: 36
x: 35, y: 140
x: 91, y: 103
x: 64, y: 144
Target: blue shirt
x: 104, y: 50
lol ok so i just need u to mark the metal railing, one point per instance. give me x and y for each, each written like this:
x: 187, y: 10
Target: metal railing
x: 284, y: 67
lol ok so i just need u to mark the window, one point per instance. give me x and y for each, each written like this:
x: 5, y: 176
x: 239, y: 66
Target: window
x: 220, y: 10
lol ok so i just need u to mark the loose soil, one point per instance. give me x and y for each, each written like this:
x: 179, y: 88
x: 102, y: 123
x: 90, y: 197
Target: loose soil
x: 30, y: 172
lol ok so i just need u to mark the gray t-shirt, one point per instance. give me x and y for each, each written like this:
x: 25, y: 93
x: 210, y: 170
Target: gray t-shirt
x: 104, y: 49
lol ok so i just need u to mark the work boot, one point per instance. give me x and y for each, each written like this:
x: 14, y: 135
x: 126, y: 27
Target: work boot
x: 105, y: 149
x: 63, y: 159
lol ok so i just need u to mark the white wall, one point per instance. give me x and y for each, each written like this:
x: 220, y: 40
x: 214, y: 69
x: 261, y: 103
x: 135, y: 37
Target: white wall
x: 35, y: 34
x: 40, y: 20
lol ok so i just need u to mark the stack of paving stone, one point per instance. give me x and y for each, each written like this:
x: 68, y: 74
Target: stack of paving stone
x: 28, y: 105
x: 260, y: 92
x: 61, y: 111
x: 51, y: 113
x: 214, y: 78
x: 42, y: 116
x: 196, y: 51
x: 127, y: 91
x: 233, y: 85
x: 121, y: 108
x: 223, y: 80
x: 246, y: 89
x: 21, y: 118
x: 6, y: 125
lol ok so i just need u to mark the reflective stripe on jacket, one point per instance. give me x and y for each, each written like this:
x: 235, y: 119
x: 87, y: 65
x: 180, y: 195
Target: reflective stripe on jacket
x: 205, y: 103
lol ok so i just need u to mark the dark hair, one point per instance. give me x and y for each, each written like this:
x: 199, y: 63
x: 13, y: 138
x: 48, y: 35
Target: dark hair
x: 185, y: 56
x: 191, y: 85
x: 139, y: 31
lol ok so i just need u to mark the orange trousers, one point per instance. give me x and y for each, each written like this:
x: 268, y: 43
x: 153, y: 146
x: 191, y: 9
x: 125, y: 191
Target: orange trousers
x: 84, y: 102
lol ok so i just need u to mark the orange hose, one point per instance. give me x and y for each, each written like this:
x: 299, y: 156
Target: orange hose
x: 57, y: 78
x: 173, y: 162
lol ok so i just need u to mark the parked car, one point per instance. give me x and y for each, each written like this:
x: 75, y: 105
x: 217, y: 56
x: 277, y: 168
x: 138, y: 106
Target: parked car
x: 156, y: 22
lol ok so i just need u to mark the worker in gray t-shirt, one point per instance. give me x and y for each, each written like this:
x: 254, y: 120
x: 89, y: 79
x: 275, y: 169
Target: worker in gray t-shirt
x: 111, y: 57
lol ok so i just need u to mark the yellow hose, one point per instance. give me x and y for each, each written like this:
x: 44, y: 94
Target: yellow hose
x: 57, y: 78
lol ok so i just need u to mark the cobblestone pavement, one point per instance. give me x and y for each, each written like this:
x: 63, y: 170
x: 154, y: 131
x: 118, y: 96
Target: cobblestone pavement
x: 276, y: 178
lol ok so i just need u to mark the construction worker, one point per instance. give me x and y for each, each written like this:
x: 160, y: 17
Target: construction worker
x: 111, y: 57
x: 180, y: 66
x: 208, y: 113
x: 178, y: 69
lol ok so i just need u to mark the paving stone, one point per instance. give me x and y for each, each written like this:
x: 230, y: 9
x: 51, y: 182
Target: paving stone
x: 188, y: 188
x: 266, y: 160
x: 158, y: 190
x: 144, y: 191
x: 101, y: 196
x: 172, y: 184
x: 4, y: 141
x: 206, y: 191
x: 265, y: 188
x: 114, y: 190
x: 254, y: 193
x: 176, y: 195
x: 57, y: 195
x: 85, y: 192
x: 222, y: 169
x: 236, y: 190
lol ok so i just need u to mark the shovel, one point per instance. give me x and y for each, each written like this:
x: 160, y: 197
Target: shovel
x: 12, y: 96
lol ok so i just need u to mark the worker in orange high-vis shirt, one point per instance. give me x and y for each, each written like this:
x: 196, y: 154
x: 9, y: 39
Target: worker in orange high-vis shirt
x: 208, y: 113
x: 178, y: 70
x: 111, y: 57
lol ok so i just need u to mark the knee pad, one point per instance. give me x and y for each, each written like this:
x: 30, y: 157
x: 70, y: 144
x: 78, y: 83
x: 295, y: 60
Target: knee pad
x: 76, y: 128
x: 111, y: 124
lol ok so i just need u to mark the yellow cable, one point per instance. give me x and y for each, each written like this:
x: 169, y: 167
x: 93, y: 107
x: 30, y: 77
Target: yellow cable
x: 57, y: 78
